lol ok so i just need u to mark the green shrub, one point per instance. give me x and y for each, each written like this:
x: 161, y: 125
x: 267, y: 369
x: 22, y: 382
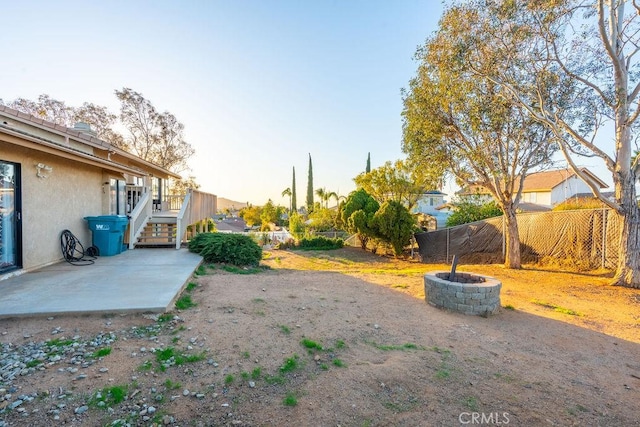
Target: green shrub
x: 320, y: 243
x: 236, y: 249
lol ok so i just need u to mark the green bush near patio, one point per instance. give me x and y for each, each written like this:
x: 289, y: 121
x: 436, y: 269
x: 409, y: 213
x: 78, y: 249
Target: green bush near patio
x: 236, y: 249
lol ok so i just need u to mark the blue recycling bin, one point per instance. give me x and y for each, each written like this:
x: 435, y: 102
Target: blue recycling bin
x: 108, y: 233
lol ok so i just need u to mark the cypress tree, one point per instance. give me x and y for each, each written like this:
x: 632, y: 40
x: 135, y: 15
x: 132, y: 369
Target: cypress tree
x: 310, y: 187
x: 294, y: 202
x: 368, y: 163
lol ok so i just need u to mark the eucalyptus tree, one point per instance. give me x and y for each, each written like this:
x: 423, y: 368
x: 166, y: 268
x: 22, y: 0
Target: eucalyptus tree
x: 580, y: 79
x: 468, y: 123
x: 157, y: 137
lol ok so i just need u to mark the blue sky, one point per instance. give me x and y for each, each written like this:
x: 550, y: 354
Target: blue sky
x: 258, y: 84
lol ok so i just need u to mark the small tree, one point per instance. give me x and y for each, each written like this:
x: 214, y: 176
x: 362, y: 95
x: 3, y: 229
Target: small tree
x: 251, y: 215
x: 395, y: 225
x: 467, y: 211
x: 357, y: 214
x: 368, y: 168
x: 310, y: 187
x: 322, y: 219
x: 296, y: 225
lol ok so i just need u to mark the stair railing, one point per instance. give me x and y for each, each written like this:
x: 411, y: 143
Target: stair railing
x: 138, y: 218
x: 183, y: 219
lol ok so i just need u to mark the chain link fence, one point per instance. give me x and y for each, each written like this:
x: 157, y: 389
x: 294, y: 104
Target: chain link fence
x: 584, y: 238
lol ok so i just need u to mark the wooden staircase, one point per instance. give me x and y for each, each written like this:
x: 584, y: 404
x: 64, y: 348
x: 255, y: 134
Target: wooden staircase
x: 159, y: 232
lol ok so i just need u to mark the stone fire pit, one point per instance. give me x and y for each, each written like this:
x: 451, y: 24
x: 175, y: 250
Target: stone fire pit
x: 463, y: 292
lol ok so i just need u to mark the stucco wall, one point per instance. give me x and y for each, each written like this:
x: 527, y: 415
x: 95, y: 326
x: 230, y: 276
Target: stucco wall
x: 53, y: 204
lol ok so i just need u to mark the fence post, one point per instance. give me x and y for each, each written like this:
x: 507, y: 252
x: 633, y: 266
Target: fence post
x: 604, y: 237
x: 504, y: 238
x: 448, y: 244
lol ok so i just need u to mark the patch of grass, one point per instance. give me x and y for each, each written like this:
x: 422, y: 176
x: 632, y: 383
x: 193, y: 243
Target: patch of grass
x: 169, y: 356
x: 246, y: 355
x: 229, y: 379
x: 285, y: 329
x: 57, y: 342
x: 191, y: 286
x: 105, y: 351
x: 258, y: 300
x: 509, y: 307
x: 175, y: 340
x: 33, y: 363
x: 324, y: 367
x: 290, y: 364
x: 109, y: 396
x: 290, y: 399
x: 442, y: 373
x: 245, y: 375
x: 392, y: 347
x: 339, y: 363
x: 256, y: 373
x: 275, y: 379
x: 185, y: 302
x: 244, y: 270
x: 400, y: 286
x: 165, y: 317
x: 310, y: 345
x: 471, y: 403
x: 556, y: 308
x: 340, y: 344
x: 171, y: 385
x: 200, y: 271
x: 146, y: 366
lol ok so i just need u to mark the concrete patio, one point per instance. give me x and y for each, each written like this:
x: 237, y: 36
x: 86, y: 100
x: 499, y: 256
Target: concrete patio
x: 139, y: 280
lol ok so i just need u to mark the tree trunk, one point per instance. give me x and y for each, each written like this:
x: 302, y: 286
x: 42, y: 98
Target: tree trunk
x: 628, y: 271
x: 512, y: 254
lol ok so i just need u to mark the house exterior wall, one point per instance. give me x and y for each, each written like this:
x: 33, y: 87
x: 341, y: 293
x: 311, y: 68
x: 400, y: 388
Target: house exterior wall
x: 542, y: 198
x: 427, y: 203
x: 50, y: 205
x: 568, y: 189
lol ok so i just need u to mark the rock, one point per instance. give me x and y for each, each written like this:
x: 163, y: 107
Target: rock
x: 252, y: 384
x: 185, y: 392
x: 81, y: 409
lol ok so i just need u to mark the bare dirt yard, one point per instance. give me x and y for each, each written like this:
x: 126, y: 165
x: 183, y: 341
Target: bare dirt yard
x: 336, y: 338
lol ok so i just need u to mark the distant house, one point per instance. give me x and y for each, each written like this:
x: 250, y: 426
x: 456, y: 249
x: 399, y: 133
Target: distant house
x: 432, y: 203
x: 544, y: 190
x: 231, y: 225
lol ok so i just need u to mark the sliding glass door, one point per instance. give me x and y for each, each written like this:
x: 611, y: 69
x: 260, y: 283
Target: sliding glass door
x: 10, y: 232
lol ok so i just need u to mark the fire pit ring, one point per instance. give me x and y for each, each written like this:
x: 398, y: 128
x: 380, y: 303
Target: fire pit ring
x: 465, y: 293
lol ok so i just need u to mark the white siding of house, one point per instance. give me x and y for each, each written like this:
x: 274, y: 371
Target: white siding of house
x: 542, y: 198
x: 568, y: 189
x: 427, y: 203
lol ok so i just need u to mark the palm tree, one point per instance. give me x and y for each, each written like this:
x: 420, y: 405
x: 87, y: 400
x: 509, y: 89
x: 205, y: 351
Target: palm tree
x: 335, y: 196
x: 287, y: 192
x: 321, y: 192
